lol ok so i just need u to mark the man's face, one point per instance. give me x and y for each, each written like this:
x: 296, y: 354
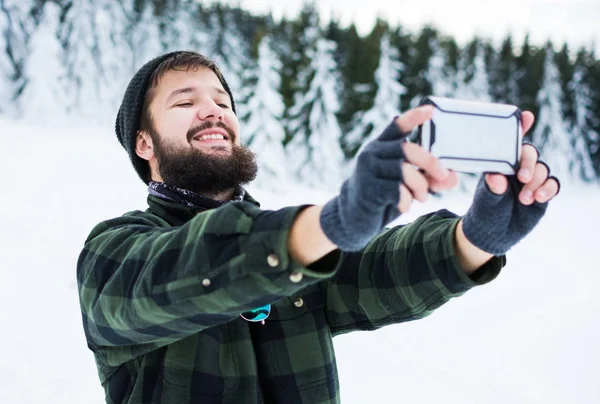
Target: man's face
x: 186, y: 107
x: 194, y: 140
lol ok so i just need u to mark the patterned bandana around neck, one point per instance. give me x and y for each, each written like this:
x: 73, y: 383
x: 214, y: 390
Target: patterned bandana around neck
x: 189, y: 198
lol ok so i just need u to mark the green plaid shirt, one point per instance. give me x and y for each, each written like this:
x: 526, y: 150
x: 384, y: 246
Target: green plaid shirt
x: 161, y: 293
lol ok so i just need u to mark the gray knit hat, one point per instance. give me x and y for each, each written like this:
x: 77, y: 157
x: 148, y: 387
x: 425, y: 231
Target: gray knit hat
x: 129, y: 115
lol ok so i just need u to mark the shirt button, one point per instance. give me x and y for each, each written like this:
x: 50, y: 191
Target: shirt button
x: 272, y: 260
x: 206, y: 282
x: 296, y: 277
x: 299, y: 302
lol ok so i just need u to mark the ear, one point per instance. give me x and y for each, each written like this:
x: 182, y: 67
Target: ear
x: 143, y: 145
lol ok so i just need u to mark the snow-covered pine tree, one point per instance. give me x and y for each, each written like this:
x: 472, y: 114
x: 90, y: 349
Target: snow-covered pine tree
x: 369, y: 125
x: 178, y: 25
x: 6, y: 68
x: 144, y: 34
x: 582, y: 133
x: 115, y: 59
x: 20, y: 19
x: 45, y: 91
x: 82, y: 60
x: 439, y: 73
x: 551, y: 136
x: 473, y: 82
x: 314, y: 153
x: 228, y: 48
x: 502, y: 72
x: 530, y: 72
x: 262, y: 128
x: 417, y: 85
x: 439, y: 76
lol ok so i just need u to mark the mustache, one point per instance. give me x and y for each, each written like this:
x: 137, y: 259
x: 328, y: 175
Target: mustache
x: 207, y: 125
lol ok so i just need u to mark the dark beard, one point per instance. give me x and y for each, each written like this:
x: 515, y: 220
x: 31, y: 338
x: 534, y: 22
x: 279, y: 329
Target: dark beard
x: 203, y: 173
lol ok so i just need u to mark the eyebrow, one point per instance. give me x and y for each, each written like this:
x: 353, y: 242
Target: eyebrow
x: 187, y: 90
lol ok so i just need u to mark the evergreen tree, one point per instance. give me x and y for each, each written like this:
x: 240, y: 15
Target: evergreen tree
x: 530, y: 72
x: 375, y: 57
x: 370, y: 124
x: 441, y: 72
x: 473, y: 83
x: 417, y: 85
x: 262, y: 127
x: 45, y: 89
x: 21, y: 19
x: 356, y: 89
x: 228, y: 48
x: 580, y: 129
x: 143, y: 34
x: 502, y: 72
x: 551, y: 136
x: 297, y: 41
x: 566, y: 72
x: 177, y: 24
x: 587, y: 101
x: 6, y: 68
x: 82, y: 59
x: 116, y: 63
x: 314, y: 153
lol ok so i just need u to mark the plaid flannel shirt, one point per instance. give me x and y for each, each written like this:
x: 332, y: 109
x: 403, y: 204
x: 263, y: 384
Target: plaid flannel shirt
x: 161, y: 293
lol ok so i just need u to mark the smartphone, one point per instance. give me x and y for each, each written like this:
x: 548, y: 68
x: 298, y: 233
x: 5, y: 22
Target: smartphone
x: 473, y: 136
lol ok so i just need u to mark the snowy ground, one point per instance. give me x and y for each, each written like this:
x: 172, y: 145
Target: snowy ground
x: 531, y: 336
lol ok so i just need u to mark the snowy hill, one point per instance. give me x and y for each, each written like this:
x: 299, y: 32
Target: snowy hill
x: 528, y: 337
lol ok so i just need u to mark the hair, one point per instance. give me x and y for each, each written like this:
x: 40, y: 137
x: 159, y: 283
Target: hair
x: 181, y: 61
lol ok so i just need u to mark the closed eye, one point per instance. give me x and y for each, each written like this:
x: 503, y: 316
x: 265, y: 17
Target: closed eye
x: 184, y: 104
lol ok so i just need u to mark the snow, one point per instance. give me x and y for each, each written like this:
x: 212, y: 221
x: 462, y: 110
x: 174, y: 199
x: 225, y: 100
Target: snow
x: 530, y: 336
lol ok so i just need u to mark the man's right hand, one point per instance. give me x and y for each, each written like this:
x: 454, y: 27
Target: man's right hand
x: 421, y: 171
x: 389, y: 174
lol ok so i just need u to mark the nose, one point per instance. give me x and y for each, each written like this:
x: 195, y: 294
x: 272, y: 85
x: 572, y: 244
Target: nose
x: 210, y: 111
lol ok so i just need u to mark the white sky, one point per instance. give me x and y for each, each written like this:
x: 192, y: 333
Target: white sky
x: 574, y: 21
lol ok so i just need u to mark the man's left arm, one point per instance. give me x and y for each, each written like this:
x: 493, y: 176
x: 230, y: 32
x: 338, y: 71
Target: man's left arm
x: 404, y: 274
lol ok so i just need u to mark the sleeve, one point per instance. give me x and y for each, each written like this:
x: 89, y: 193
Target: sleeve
x: 404, y: 274
x: 140, y: 283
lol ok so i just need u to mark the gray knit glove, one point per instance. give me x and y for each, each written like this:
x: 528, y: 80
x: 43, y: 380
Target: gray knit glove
x: 369, y: 199
x: 495, y: 223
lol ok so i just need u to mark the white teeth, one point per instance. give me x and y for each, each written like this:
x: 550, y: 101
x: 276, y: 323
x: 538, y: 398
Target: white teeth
x: 211, y: 137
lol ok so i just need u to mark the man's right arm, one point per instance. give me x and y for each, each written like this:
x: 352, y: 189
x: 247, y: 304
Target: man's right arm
x: 142, y: 283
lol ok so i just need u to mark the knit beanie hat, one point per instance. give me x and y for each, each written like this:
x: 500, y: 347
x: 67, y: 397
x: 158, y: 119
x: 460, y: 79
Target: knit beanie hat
x: 129, y: 115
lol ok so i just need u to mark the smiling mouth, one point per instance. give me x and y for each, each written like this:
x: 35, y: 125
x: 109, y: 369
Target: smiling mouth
x: 211, y: 137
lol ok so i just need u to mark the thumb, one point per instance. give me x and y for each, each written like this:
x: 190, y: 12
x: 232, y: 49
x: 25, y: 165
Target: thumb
x: 497, y: 183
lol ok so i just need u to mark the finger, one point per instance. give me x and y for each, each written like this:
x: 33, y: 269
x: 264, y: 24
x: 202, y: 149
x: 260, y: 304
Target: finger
x: 406, y: 199
x: 415, y: 182
x: 529, y: 157
x: 547, y: 191
x: 426, y: 161
x: 413, y: 117
x: 527, y: 120
x: 497, y: 183
x: 540, y: 175
x: 526, y: 196
x: 437, y: 186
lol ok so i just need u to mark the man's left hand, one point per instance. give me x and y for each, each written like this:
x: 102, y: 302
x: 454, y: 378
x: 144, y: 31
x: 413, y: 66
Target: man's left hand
x: 506, y: 208
x: 533, y: 174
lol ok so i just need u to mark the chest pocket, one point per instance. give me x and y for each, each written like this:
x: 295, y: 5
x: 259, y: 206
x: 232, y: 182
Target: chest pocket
x: 297, y: 342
